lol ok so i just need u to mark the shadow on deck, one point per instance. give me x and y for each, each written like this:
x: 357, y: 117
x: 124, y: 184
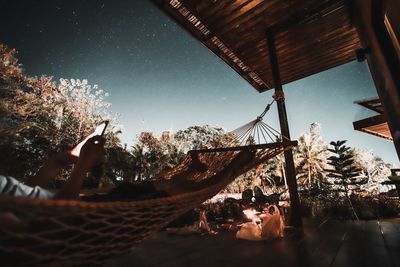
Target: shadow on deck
x: 330, y: 243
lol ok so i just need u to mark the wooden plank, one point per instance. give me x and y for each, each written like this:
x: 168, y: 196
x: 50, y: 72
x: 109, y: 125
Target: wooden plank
x: 372, y: 104
x: 301, y: 70
x: 305, y: 67
x: 391, y: 234
x: 300, y: 38
x: 330, y: 49
x: 280, y: 11
x: 368, y: 122
x: 327, y: 48
x: 252, y: 16
x: 254, y: 34
x: 268, y: 13
x: 363, y: 247
x: 334, y: 243
x: 331, y: 63
x: 329, y: 247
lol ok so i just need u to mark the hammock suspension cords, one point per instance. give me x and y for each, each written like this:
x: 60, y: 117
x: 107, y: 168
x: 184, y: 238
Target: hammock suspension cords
x: 255, y: 134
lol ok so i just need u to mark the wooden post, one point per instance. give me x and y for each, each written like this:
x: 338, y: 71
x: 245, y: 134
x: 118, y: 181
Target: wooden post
x: 383, y: 64
x: 295, y: 217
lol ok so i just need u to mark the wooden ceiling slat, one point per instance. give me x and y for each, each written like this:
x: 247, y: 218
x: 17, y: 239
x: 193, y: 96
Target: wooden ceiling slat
x: 232, y: 11
x: 311, y: 67
x: 279, y: 19
x: 310, y: 35
x: 314, y: 70
x: 290, y: 55
x: 194, y: 4
x: 202, y: 6
x: 293, y: 54
x: 308, y: 63
x: 250, y: 15
x: 315, y: 65
x: 285, y: 48
x: 217, y: 8
x: 312, y: 61
x: 246, y: 20
x: 297, y: 32
x: 248, y: 30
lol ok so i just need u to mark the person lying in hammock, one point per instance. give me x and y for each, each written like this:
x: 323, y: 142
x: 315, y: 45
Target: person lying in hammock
x: 91, y: 155
x: 178, y: 184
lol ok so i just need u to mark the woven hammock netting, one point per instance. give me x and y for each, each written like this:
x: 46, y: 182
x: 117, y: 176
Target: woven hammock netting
x: 77, y: 233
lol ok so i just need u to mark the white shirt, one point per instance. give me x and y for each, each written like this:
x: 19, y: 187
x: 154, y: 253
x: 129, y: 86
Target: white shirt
x: 13, y: 187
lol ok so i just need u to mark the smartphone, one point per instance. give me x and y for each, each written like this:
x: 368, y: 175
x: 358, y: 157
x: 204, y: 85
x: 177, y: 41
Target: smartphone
x: 100, y: 129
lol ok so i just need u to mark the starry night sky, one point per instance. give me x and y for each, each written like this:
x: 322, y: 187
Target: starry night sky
x: 159, y: 78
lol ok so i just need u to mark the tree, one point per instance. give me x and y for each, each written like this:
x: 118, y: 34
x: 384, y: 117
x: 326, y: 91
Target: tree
x: 39, y: 115
x: 152, y: 155
x: 373, y: 168
x: 195, y: 137
x: 344, y: 172
x: 311, y: 158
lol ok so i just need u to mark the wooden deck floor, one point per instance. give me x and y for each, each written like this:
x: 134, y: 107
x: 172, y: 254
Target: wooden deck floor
x: 329, y: 243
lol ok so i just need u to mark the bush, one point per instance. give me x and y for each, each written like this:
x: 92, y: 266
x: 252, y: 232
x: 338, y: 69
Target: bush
x: 337, y: 207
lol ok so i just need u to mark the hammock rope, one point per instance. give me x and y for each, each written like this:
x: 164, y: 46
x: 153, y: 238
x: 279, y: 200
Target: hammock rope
x: 77, y: 233
x: 253, y: 135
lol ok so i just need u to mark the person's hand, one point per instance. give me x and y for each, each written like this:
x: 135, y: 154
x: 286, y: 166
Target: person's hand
x: 92, y: 153
x: 63, y: 158
x: 50, y: 169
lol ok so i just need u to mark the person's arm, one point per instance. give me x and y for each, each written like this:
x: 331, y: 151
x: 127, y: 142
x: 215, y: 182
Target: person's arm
x: 50, y: 169
x: 91, y: 155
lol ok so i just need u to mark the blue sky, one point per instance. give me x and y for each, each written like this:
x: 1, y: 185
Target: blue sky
x: 160, y: 78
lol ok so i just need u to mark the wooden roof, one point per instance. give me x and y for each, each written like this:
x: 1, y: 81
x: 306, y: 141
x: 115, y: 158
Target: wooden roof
x: 372, y: 104
x: 375, y: 125
x: 310, y: 35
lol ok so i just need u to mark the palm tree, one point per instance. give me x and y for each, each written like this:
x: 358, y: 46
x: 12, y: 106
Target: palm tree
x: 139, y: 162
x: 311, y: 157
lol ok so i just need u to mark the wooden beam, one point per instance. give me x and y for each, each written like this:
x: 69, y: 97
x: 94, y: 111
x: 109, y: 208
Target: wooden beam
x: 368, y: 122
x: 249, y: 147
x: 375, y: 125
x: 383, y: 66
x: 295, y: 215
x: 306, y: 17
x: 372, y: 104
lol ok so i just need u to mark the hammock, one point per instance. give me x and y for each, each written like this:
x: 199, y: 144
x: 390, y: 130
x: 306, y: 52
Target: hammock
x: 77, y: 233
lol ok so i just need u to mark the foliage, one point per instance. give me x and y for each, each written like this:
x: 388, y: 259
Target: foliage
x: 196, y: 137
x: 373, y: 168
x: 41, y: 116
x: 153, y: 155
x: 366, y: 208
x: 344, y: 172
